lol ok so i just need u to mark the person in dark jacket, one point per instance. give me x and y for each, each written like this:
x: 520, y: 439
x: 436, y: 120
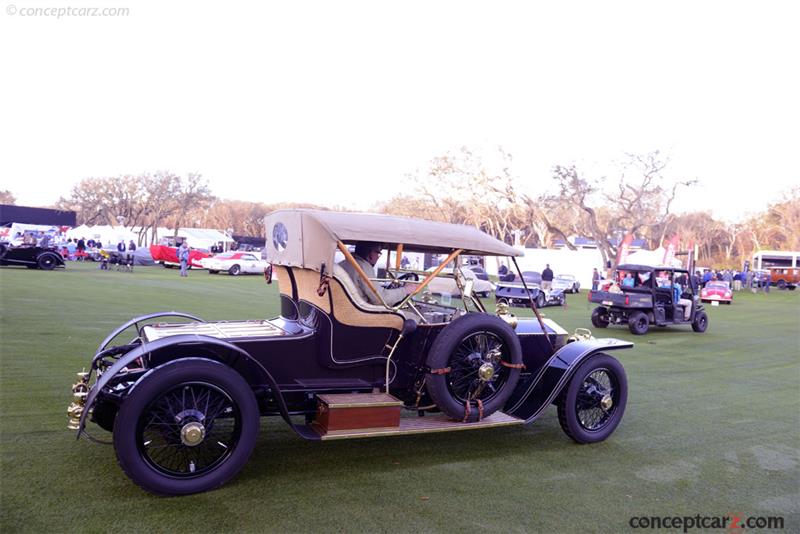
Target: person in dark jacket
x: 547, y: 278
x: 595, y: 279
x: 121, y: 256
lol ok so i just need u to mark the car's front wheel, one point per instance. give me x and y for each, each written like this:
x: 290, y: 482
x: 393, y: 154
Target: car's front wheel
x: 540, y: 301
x: 593, y: 403
x: 188, y: 426
x: 700, y: 322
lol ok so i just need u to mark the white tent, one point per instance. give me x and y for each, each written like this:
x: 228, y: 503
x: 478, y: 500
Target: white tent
x: 202, y: 237
x: 651, y: 258
x: 108, y: 235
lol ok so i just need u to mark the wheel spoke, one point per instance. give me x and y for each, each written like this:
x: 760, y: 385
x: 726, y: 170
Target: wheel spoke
x: 162, y: 424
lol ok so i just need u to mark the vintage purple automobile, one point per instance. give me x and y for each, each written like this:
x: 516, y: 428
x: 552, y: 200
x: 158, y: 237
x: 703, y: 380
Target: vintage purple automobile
x: 183, y: 399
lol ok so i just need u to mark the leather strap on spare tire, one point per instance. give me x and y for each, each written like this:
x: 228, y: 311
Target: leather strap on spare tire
x: 473, y: 367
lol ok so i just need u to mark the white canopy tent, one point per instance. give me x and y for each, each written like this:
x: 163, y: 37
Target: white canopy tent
x: 108, y: 235
x: 651, y: 258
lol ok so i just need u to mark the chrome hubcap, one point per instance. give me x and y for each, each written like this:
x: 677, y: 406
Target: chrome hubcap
x: 486, y: 372
x: 606, y: 403
x: 193, y: 434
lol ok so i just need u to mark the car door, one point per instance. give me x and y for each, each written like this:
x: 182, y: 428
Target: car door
x: 249, y: 263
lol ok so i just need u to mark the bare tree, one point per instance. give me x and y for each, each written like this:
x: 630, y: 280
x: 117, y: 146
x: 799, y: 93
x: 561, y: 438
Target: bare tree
x: 7, y: 198
x: 637, y: 203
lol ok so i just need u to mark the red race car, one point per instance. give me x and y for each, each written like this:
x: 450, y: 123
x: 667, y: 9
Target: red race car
x: 168, y: 256
x: 717, y: 291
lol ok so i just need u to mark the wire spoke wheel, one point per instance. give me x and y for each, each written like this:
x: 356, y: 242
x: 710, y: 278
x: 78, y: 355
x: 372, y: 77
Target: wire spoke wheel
x: 187, y: 426
x: 593, y: 403
x: 476, y: 371
x: 593, y: 409
x: 189, y: 430
x: 483, y: 358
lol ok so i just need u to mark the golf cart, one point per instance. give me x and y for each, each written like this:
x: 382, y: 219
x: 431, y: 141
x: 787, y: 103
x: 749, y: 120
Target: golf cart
x: 640, y: 296
x: 183, y: 399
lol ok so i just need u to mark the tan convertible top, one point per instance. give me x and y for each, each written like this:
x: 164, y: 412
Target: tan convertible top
x: 307, y: 238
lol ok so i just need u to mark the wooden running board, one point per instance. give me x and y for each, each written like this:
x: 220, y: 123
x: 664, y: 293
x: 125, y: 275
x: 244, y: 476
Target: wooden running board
x: 421, y: 425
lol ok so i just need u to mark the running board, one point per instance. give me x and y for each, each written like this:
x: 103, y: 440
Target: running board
x: 419, y: 425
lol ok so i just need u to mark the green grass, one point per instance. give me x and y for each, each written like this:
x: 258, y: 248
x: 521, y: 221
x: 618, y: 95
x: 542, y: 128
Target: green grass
x: 712, y: 427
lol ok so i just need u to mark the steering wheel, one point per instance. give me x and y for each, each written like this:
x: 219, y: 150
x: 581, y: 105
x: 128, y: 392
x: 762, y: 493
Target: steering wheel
x: 405, y: 276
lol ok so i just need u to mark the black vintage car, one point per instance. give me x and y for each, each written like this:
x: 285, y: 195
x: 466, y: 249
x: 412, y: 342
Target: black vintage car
x: 183, y: 400
x: 31, y: 256
x: 640, y: 296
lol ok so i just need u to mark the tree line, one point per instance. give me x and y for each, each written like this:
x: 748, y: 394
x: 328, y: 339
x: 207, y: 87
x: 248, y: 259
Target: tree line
x: 459, y: 187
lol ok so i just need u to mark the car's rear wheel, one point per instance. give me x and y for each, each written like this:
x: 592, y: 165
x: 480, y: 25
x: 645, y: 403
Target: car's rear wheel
x: 235, y: 270
x: 475, y: 365
x: 188, y: 426
x: 594, y: 401
x: 638, y: 323
x: 47, y: 261
x: 700, y: 322
x: 600, y: 317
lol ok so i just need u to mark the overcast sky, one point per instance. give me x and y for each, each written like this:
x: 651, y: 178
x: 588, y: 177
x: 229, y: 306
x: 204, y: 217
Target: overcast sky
x: 336, y: 102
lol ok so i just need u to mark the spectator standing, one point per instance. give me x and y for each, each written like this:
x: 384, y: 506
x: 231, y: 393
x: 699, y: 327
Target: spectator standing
x: 129, y: 257
x: 595, y: 279
x: 547, y: 278
x: 71, y: 248
x: 727, y: 276
x: 737, y: 281
x: 183, y: 258
x: 121, y: 253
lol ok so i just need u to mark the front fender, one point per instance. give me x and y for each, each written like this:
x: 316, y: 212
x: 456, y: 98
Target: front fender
x: 533, y: 395
x: 183, y: 341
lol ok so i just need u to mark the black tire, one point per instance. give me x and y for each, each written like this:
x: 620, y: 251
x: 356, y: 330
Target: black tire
x: 212, y: 272
x: 581, y: 412
x: 791, y: 288
x: 781, y: 284
x: 600, y: 317
x: 700, y: 323
x: 540, y: 302
x: 576, y: 289
x: 473, y: 342
x: 47, y: 261
x: 235, y: 270
x: 638, y: 323
x: 160, y: 397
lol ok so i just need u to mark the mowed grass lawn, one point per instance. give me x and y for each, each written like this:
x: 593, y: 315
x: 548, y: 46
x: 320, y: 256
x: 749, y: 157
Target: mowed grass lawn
x: 712, y: 427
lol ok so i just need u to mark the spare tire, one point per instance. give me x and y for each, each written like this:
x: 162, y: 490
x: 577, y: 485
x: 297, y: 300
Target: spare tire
x: 474, y: 366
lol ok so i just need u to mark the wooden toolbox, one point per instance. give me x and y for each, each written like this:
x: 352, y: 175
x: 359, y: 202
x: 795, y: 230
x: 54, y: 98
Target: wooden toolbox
x: 350, y: 411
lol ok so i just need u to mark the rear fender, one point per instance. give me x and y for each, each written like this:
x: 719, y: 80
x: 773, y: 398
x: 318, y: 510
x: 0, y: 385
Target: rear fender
x: 197, y: 345
x: 532, y: 396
